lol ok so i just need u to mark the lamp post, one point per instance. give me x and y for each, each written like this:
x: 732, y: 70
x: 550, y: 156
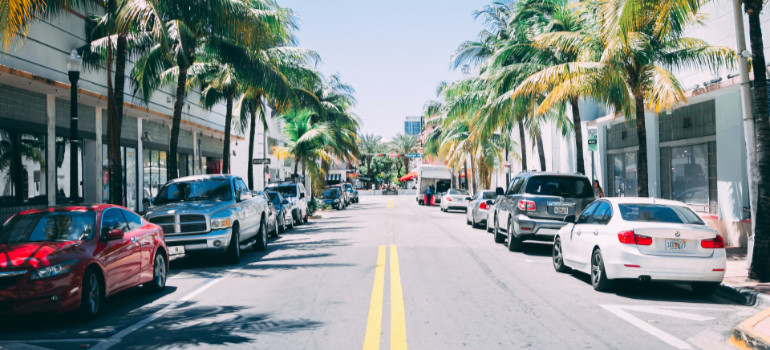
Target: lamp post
x: 74, y: 62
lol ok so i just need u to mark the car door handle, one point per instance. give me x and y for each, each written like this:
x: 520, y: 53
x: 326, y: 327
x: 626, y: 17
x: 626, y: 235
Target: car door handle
x: 596, y: 232
x: 578, y: 232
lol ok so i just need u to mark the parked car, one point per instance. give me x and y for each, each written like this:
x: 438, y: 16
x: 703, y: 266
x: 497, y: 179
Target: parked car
x: 641, y: 238
x: 490, y: 221
x: 210, y: 214
x: 344, y: 195
x: 455, y: 199
x: 272, y: 218
x: 535, y: 204
x: 352, y: 192
x: 476, y: 211
x: 283, y: 207
x: 295, y: 193
x: 333, y: 197
x: 70, y: 258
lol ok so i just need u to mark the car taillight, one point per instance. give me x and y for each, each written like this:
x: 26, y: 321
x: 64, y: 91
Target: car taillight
x: 714, y: 243
x: 483, y: 205
x: 527, y: 205
x: 448, y: 199
x: 629, y: 237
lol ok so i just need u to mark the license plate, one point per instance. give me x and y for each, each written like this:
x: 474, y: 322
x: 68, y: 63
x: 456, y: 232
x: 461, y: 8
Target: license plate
x: 176, y: 250
x: 675, y: 244
x: 560, y: 210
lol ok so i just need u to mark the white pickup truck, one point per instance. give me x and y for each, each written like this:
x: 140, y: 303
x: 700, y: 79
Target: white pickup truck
x: 437, y: 176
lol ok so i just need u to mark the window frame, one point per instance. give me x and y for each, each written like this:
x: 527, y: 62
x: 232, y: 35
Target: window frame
x: 128, y: 222
x: 590, y: 215
x: 102, y: 234
x: 605, y: 219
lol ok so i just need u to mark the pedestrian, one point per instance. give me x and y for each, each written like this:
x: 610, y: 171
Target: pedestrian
x: 598, y: 191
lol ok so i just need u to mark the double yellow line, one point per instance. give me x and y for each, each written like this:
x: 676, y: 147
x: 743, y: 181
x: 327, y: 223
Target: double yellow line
x: 397, y: 316
x: 390, y: 204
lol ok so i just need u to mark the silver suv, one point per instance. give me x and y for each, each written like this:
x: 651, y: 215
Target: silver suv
x: 535, y: 204
x: 295, y: 193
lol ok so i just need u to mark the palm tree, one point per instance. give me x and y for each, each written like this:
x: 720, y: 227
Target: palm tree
x: 404, y: 144
x: 16, y: 16
x: 307, y: 143
x: 187, y: 29
x: 632, y: 73
x: 369, y: 144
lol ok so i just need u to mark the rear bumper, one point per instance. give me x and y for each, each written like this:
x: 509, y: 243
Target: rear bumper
x: 664, y: 268
x: 537, y: 229
x: 455, y: 205
x: 202, y: 243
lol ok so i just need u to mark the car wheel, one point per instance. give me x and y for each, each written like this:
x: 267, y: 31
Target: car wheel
x: 305, y: 220
x: 473, y: 222
x: 514, y: 243
x: 704, y: 288
x: 298, y: 222
x: 467, y: 222
x: 558, y: 258
x: 282, y: 227
x: 275, y: 231
x: 159, y: 274
x: 233, y: 253
x: 599, y: 279
x: 261, y: 244
x: 499, y: 238
x: 91, y: 296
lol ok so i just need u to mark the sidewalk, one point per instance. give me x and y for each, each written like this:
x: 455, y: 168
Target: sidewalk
x: 753, y: 333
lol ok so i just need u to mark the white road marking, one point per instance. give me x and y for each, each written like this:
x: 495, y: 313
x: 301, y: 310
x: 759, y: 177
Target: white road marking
x: 667, y: 338
x: 117, y: 337
x: 663, y: 312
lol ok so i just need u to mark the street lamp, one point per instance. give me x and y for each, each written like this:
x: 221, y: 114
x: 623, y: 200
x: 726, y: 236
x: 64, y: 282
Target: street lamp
x: 74, y: 62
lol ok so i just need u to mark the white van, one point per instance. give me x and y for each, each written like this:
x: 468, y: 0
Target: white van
x: 437, y: 176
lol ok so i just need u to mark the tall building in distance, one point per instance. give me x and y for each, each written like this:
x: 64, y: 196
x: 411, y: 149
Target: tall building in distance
x: 413, y: 126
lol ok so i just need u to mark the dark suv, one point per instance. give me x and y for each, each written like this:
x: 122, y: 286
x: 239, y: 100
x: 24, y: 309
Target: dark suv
x: 535, y: 204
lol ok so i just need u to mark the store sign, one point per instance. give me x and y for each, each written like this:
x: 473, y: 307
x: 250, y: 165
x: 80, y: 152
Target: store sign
x: 260, y: 161
x: 593, y: 140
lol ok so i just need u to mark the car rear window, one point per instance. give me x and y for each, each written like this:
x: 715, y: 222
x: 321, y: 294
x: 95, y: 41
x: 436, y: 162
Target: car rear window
x: 489, y: 195
x: 460, y: 192
x: 562, y: 186
x: 659, y: 213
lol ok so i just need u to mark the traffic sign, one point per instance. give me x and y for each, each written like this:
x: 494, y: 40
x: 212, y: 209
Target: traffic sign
x: 392, y: 154
x: 260, y: 161
x: 497, y: 163
x: 593, y: 140
x: 414, y: 155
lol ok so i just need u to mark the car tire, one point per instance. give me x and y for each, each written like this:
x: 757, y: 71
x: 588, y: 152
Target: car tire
x: 282, y: 227
x: 704, y: 288
x: 261, y: 243
x: 467, y: 222
x: 473, y: 222
x: 275, y: 231
x: 159, y: 274
x: 298, y: 222
x: 304, y: 221
x: 514, y: 243
x: 233, y: 253
x: 599, y: 279
x: 499, y: 238
x: 91, y: 296
x: 291, y: 222
x: 558, y: 257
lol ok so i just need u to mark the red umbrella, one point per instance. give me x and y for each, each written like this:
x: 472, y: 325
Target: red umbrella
x: 408, y: 177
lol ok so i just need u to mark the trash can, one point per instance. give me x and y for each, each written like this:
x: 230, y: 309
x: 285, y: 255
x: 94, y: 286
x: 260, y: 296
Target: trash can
x: 749, y: 251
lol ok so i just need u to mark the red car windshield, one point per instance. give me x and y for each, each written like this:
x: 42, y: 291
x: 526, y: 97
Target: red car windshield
x: 57, y: 226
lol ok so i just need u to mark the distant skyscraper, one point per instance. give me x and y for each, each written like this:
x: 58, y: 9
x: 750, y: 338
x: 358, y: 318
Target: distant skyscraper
x: 413, y: 126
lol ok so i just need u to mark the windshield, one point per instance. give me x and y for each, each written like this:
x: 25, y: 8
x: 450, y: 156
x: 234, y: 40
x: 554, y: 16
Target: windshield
x: 562, y: 186
x: 330, y: 193
x: 194, y: 190
x: 461, y: 192
x: 659, y: 213
x: 58, y: 226
x: 286, y: 191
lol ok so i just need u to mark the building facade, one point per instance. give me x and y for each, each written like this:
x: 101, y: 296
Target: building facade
x: 413, y: 126
x: 35, y: 128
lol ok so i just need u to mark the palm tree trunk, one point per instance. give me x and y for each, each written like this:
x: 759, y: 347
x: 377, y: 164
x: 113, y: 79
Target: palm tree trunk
x: 540, y: 151
x: 581, y: 168
x: 115, y: 122
x: 641, y: 156
x: 171, y: 171
x: 469, y: 174
x: 523, y: 144
x: 296, y: 165
x: 369, y: 167
x: 252, y: 131
x: 228, y: 126
x: 760, y: 264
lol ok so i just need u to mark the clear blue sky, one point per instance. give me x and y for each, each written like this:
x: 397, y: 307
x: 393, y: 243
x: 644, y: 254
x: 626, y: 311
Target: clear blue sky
x: 393, y: 52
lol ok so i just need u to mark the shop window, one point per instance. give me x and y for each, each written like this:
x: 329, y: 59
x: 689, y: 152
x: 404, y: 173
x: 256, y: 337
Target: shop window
x: 689, y: 174
x: 22, y: 168
x: 63, y: 154
x: 128, y: 161
x: 624, y: 183
x: 154, y: 172
x: 213, y: 165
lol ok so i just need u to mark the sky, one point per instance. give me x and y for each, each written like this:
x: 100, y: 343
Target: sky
x: 394, y: 53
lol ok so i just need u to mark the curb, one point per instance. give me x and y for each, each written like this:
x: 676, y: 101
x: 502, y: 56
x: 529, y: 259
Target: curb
x: 744, y: 335
x: 743, y: 296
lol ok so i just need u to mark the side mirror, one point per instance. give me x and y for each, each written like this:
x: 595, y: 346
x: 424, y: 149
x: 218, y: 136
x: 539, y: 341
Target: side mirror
x: 302, y: 195
x: 244, y: 196
x: 570, y: 219
x: 499, y: 191
x: 490, y: 202
x: 285, y: 201
x: 468, y: 199
x: 115, y: 234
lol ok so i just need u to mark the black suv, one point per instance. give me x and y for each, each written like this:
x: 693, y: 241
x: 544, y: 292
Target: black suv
x: 535, y: 204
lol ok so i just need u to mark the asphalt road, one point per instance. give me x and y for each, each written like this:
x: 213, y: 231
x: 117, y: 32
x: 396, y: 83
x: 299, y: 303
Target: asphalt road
x: 389, y: 273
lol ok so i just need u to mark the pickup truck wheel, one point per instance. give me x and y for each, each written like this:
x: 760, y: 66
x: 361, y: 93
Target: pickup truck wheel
x: 499, y: 238
x: 261, y: 243
x: 305, y: 219
x: 233, y: 253
x: 514, y: 243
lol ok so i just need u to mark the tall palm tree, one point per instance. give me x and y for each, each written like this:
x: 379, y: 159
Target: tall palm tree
x: 187, y: 29
x: 369, y: 144
x: 307, y: 143
x: 404, y: 144
x: 17, y: 15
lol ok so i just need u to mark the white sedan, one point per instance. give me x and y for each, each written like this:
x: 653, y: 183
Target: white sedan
x: 641, y: 238
x: 455, y: 199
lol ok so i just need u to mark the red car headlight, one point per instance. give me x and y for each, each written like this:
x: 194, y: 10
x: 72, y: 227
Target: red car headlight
x: 53, y: 270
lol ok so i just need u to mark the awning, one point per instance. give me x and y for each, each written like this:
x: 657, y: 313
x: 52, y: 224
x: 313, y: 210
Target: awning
x: 408, y: 177
x: 334, y: 177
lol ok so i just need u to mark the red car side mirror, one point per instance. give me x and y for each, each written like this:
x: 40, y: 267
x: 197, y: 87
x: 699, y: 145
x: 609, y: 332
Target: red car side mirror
x: 114, y: 234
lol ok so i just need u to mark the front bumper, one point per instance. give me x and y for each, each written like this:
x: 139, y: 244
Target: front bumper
x: 202, y: 243
x: 536, y: 229
x: 35, y: 296
x: 664, y: 268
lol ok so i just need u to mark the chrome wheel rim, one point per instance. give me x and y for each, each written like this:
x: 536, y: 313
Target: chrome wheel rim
x: 93, y: 294
x: 160, y: 271
x: 596, y: 272
x: 557, y: 253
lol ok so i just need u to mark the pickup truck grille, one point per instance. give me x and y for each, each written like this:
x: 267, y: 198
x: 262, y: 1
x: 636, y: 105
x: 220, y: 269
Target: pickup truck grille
x: 192, y: 218
x: 197, y: 227
x: 181, y: 224
x: 162, y: 220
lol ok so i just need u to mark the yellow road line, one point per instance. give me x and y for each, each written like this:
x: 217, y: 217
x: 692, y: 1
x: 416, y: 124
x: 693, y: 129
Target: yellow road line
x: 374, y: 321
x: 390, y: 204
x: 397, y: 316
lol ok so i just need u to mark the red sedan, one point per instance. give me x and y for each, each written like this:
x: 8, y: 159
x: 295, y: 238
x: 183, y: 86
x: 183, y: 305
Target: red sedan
x: 70, y: 258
